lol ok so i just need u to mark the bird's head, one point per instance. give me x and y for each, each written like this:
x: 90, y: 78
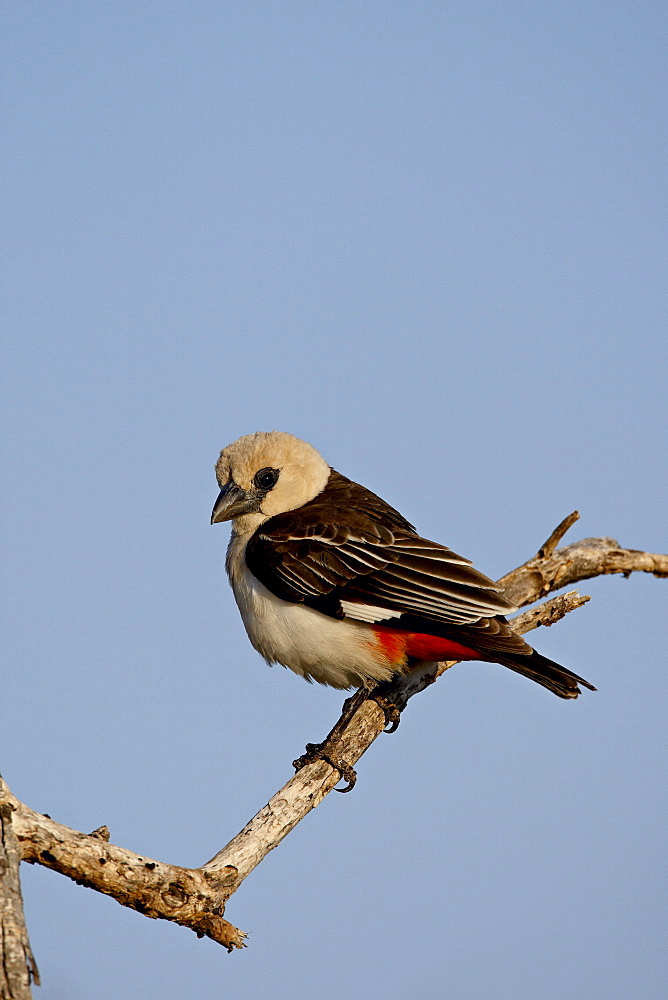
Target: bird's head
x: 265, y: 474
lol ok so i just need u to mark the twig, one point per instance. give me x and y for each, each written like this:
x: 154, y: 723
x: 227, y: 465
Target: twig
x: 550, y: 612
x: 548, y: 547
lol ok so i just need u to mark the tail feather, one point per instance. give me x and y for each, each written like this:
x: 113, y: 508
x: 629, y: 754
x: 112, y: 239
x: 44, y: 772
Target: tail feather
x: 494, y: 641
x: 552, y: 675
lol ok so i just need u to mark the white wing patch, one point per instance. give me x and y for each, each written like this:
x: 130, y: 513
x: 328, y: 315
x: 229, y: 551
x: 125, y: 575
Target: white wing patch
x: 368, y: 612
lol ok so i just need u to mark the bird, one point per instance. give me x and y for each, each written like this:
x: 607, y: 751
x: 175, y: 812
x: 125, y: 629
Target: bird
x: 335, y: 584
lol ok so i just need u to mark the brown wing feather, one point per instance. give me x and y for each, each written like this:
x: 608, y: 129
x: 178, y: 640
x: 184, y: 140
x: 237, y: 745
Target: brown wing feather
x: 348, y: 544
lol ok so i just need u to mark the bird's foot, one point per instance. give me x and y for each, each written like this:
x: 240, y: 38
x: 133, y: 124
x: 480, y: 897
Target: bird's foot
x: 328, y: 751
x: 330, y: 748
x: 391, y: 710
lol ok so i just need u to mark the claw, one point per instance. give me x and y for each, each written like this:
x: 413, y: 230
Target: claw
x: 318, y: 751
x: 312, y: 754
x: 329, y: 749
x: 348, y: 774
x: 391, y: 712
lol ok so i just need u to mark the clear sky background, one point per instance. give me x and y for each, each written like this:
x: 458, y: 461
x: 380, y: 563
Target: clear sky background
x: 430, y: 238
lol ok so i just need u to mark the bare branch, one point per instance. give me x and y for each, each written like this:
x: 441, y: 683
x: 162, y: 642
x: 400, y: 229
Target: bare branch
x: 550, y: 612
x: 297, y: 798
x: 548, y: 547
x: 195, y: 897
x: 581, y: 561
x: 187, y: 896
x: 17, y: 962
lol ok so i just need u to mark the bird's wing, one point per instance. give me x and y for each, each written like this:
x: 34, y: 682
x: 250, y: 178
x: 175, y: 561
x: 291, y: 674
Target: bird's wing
x: 427, y: 579
x: 350, y: 562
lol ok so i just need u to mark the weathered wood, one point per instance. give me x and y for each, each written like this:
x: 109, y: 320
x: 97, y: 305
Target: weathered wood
x: 574, y: 563
x: 187, y: 896
x: 548, y: 547
x: 18, y: 968
x: 296, y: 799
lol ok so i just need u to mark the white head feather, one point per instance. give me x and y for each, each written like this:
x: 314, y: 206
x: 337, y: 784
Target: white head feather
x: 303, y: 472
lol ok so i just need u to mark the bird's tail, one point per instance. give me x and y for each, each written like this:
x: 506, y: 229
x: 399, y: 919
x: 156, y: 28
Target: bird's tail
x: 552, y: 675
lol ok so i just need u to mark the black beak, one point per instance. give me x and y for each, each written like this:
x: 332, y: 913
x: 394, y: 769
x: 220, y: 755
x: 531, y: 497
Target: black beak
x: 233, y: 502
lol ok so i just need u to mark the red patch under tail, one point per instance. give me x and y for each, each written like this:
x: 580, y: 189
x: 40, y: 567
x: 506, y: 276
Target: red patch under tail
x: 398, y: 645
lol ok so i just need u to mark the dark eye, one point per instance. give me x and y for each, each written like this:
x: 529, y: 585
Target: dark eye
x: 266, y: 478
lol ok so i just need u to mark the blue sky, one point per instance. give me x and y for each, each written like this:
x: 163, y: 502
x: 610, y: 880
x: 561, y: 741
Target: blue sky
x: 430, y: 239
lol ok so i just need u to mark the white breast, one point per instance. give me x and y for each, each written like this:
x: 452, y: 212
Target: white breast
x: 342, y: 654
